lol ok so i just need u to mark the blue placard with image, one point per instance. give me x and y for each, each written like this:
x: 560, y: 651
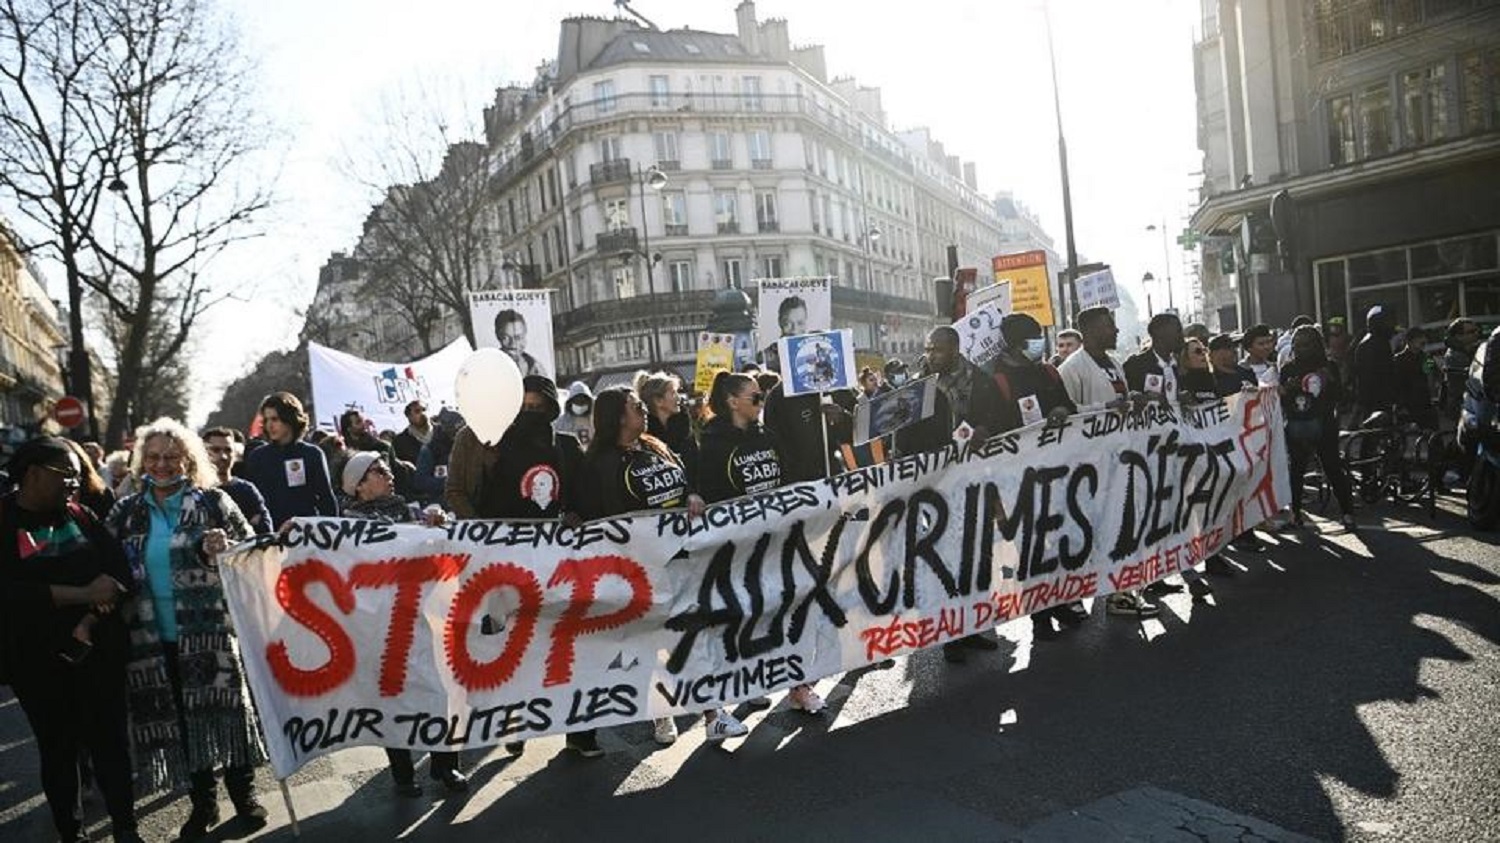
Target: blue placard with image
x: 817, y: 362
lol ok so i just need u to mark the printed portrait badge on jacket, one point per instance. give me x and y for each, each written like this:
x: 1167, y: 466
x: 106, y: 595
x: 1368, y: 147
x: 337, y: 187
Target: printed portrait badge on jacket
x: 296, y: 473
x: 653, y: 481
x: 542, y: 486
x: 754, y: 470
x: 1312, y: 387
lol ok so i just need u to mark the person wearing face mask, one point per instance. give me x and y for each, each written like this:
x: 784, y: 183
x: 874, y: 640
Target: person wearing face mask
x: 577, y: 415
x: 896, y: 373
x: 528, y: 473
x: 1032, y: 391
x: 190, y: 710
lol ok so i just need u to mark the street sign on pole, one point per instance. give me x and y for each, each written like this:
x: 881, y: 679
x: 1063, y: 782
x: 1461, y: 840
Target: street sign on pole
x: 69, y: 412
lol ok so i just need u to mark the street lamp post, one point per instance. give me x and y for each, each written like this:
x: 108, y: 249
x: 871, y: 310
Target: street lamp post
x: 1166, y: 261
x: 654, y: 178
x: 870, y: 237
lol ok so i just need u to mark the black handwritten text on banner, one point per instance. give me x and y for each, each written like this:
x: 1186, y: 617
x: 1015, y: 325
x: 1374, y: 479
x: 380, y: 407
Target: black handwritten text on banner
x: 356, y: 633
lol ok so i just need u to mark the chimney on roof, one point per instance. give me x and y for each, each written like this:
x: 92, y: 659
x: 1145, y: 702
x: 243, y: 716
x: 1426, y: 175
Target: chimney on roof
x: 775, y: 40
x: 971, y: 175
x: 749, y: 32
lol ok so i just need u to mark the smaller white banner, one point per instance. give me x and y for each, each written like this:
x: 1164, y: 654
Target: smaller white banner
x: 381, y: 391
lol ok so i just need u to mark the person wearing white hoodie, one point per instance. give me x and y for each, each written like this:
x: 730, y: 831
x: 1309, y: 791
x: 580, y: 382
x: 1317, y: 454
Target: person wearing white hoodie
x: 578, y: 413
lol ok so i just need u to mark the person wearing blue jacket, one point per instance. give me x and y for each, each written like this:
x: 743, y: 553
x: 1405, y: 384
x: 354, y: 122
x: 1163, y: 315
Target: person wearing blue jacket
x: 291, y: 475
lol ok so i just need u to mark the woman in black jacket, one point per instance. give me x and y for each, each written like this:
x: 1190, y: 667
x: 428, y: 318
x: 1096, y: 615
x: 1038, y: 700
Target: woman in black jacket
x: 628, y: 470
x: 737, y: 455
x: 62, y: 646
x: 1310, y: 395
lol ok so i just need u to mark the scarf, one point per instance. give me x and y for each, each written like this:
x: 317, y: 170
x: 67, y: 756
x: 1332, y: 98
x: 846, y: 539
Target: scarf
x: 212, y: 724
x: 958, y: 388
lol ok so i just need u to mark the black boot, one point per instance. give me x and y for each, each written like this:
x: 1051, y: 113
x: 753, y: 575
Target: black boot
x: 205, y: 813
x: 240, y: 782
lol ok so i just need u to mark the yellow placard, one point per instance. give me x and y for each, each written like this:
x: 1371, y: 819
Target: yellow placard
x: 1030, y: 284
x: 715, y: 355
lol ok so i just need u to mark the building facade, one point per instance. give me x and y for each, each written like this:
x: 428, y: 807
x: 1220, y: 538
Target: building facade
x: 32, y: 342
x: 1351, y: 158
x: 645, y: 170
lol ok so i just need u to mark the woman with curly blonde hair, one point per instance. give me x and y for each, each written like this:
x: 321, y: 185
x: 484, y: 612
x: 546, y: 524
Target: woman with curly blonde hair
x: 190, y: 711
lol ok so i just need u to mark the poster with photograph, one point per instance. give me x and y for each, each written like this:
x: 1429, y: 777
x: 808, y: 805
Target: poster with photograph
x: 890, y: 411
x: 979, y: 334
x: 519, y: 323
x: 821, y: 362
x: 792, y: 306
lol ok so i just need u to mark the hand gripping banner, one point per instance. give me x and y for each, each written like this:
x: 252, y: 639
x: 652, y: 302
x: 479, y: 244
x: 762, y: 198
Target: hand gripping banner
x: 357, y: 633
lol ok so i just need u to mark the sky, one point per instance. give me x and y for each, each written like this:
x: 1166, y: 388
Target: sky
x: 975, y: 72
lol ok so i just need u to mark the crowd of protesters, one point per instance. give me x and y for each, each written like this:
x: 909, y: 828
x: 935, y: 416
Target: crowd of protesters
x: 118, y: 645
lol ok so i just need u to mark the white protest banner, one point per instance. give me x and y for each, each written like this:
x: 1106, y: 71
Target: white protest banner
x: 518, y: 322
x: 996, y: 294
x: 821, y: 362
x: 979, y: 334
x: 890, y: 411
x: 1097, y: 289
x: 715, y: 354
x: 361, y: 633
x: 381, y: 391
x: 791, y: 306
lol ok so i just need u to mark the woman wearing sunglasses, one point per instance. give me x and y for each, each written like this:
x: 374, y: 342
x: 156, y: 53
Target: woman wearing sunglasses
x: 628, y: 470
x: 1197, y: 384
x: 737, y: 455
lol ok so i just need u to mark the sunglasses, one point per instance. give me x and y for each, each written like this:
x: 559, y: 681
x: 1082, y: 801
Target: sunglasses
x: 1198, y: 352
x: 756, y: 398
x: 378, y: 469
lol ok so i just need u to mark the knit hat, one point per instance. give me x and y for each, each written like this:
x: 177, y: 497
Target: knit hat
x: 544, y: 387
x: 355, y: 467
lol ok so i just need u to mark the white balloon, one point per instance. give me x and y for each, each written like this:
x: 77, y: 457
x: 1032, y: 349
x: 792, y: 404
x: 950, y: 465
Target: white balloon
x: 489, y: 391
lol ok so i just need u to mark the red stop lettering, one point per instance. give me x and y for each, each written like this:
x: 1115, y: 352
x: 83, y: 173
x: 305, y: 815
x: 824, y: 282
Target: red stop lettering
x: 291, y: 593
x: 474, y: 675
x: 585, y: 574
x: 408, y: 576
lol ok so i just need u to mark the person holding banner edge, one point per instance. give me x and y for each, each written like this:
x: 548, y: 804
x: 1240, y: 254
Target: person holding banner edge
x: 966, y: 395
x: 1094, y: 381
x: 737, y: 456
x: 370, y: 485
x: 189, y: 709
x: 628, y: 470
x: 1031, y: 392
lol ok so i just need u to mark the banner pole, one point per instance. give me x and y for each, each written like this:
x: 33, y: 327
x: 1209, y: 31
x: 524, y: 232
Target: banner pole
x: 291, y: 810
x: 824, y: 399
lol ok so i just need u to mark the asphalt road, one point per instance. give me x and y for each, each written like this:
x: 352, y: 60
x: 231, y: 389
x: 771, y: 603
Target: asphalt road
x: 1341, y: 687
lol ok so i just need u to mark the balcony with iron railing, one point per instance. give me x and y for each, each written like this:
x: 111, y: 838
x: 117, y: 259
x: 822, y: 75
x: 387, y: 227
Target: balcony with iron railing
x: 615, y: 171
x: 617, y: 241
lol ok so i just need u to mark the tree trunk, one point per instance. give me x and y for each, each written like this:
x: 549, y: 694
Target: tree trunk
x: 131, y: 362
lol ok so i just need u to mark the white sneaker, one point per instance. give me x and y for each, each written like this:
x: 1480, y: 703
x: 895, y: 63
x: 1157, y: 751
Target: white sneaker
x: 666, y: 731
x: 804, y: 698
x: 725, y: 725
